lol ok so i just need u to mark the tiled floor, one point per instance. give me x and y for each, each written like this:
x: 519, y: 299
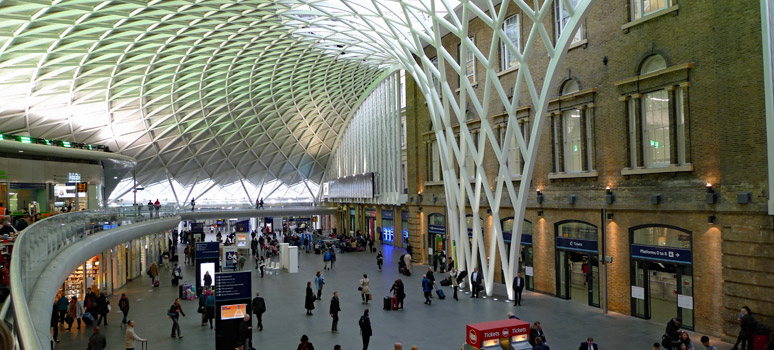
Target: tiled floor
x: 439, y: 326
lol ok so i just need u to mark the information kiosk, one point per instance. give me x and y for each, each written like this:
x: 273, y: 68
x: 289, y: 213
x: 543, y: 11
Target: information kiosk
x: 232, y: 304
x: 510, y: 334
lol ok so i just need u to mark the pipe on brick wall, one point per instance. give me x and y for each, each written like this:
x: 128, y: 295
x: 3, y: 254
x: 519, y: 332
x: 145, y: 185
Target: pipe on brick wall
x: 603, y: 261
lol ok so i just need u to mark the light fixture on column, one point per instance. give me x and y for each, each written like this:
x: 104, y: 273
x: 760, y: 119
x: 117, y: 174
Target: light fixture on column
x: 609, y: 196
x: 419, y: 197
x: 420, y: 209
x: 539, y: 197
x: 711, y: 219
x: 435, y: 198
x: 540, y: 213
x: 711, y: 197
x: 610, y: 216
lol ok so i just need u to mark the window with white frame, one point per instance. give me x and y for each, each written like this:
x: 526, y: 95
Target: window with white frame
x: 403, y: 131
x: 470, y: 160
x: 470, y: 62
x: 657, y: 118
x: 573, y: 153
x: 514, y: 155
x: 643, y: 8
x: 435, y: 163
x: 436, y: 82
x: 572, y: 131
x: 562, y: 17
x: 508, y: 58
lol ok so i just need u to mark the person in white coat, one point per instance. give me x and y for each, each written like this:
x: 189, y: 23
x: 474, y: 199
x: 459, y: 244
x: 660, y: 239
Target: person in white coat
x: 131, y: 336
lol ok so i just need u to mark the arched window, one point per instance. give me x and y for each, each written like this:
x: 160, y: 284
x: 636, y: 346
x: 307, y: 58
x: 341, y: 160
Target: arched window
x: 652, y: 64
x: 570, y: 86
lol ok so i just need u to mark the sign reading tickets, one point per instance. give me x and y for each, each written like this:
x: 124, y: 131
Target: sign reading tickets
x: 478, y: 333
x: 232, y: 286
x: 576, y: 244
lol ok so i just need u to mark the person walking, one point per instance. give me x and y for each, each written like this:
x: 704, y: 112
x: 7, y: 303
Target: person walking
x: 333, y: 258
x: 454, y: 284
x: 209, y: 307
x: 399, y: 292
x: 442, y: 262
x: 193, y: 204
x: 747, y: 325
x: 365, y: 329
x: 431, y: 277
x: 379, y: 260
x: 123, y: 305
x: 309, y: 300
x: 305, y: 344
x: 365, y: 291
x: 153, y: 271
x: 259, y: 307
x: 97, y: 340
x: 326, y: 260
x: 150, y: 208
x: 131, y: 336
x: 102, y: 308
x: 157, y: 207
x: 261, y: 264
x: 518, y: 287
x: 75, y: 311
x: 672, y: 333
x: 55, y: 323
x: 334, y: 311
x: 427, y: 288
x: 207, y: 280
x: 246, y: 332
x: 319, y: 281
x: 61, y: 308
x: 371, y: 245
x: 436, y: 259
x: 407, y: 263
x: 174, y: 313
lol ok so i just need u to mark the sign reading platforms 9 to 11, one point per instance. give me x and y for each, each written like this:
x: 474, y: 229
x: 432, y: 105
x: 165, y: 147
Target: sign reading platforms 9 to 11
x: 232, y: 286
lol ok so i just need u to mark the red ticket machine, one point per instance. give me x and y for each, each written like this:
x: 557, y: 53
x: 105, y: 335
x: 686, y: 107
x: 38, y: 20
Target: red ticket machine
x: 510, y: 334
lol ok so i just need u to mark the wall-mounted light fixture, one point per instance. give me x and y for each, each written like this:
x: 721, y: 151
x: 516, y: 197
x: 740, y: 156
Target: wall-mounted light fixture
x: 489, y: 210
x: 539, y: 197
x: 609, y: 196
x: 540, y: 213
x: 610, y: 216
x: 573, y: 198
x: 420, y: 209
x: 435, y: 198
x: 711, y: 197
x: 419, y: 197
x: 711, y: 219
x: 655, y: 199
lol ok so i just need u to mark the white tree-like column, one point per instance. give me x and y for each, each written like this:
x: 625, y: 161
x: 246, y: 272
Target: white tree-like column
x: 403, y: 29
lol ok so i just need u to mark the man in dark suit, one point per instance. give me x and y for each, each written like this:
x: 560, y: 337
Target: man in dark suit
x: 588, y: 345
x: 334, y: 311
x: 535, y: 332
x: 518, y: 287
x: 477, y: 279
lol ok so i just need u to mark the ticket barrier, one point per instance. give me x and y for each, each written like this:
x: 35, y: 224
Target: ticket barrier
x: 510, y: 334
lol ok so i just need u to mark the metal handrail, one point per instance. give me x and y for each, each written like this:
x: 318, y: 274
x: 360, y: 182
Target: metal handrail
x: 69, y: 228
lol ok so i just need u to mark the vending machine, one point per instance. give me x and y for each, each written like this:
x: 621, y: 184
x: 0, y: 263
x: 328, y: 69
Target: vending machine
x: 510, y: 334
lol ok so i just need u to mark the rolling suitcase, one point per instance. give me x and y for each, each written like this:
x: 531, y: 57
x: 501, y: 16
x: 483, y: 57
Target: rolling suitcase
x: 394, y: 302
x: 760, y: 341
x: 387, y: 303
x: 440, y: 294
x: 156, y: 283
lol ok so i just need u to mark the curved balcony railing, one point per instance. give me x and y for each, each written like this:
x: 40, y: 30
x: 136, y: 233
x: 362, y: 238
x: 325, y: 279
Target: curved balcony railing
x: 36, y: 256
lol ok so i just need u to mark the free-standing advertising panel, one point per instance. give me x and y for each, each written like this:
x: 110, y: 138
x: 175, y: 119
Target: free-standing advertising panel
x: 206, y: 261
x: 232, y: 304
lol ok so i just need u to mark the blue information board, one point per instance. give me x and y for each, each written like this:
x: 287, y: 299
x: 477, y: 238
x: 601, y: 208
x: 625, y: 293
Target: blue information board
x: 525, y: 238
x: 437, y: 229
x: 388, y: 214
x: 207, y: 250
x: 576, y: 244
x: 232, y: 285
x: 668, y: 254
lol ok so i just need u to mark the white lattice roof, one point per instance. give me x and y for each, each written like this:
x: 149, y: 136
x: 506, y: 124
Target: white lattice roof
x: 194, y: 90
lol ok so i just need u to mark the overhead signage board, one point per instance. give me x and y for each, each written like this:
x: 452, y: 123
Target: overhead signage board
x: 232, y: 286
x: 576, y: 244
x: 207, y: 250
x: 437, y: 229
x: 668, y: 254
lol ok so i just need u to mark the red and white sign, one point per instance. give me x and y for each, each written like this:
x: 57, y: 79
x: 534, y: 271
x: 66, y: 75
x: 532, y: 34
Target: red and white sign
x: 480, y: 332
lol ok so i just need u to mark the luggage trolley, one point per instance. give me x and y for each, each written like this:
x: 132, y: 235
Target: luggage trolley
x: 510, y: 334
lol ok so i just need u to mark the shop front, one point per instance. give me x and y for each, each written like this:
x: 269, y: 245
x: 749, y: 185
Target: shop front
x: 70, y: 196
x: 404, y: 226
x: 662, y: 273
x: 526, y: 253
x: 577, y: 262
x: 370, y: 223
x: 86, y: 277
x: 388, y: 226
x: 436, y: 234
x: 24, y: 198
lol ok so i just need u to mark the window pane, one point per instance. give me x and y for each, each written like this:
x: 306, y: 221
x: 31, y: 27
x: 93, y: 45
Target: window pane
x: 680, y: 116
x: 436, y: 163
x: 655, y: 129
x: 511, y: 29
x: 514, y: 157
x: 573, y: 155
x: 434, y: 79
x: 578, y: 230
x: 662, y: 237
x: 563, y: 17
x: 643, y: 8
x: 632, y: 132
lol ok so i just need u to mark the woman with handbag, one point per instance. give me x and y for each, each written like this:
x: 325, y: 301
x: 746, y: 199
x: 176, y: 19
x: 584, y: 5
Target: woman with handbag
x: 174, y: 313
x: 365, y: 292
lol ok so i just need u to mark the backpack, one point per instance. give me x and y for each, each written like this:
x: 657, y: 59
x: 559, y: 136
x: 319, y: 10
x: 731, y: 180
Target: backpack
x: 327, y: 256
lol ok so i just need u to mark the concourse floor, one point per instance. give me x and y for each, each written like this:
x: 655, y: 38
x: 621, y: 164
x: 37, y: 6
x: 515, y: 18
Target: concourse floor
x: 440, y: 326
